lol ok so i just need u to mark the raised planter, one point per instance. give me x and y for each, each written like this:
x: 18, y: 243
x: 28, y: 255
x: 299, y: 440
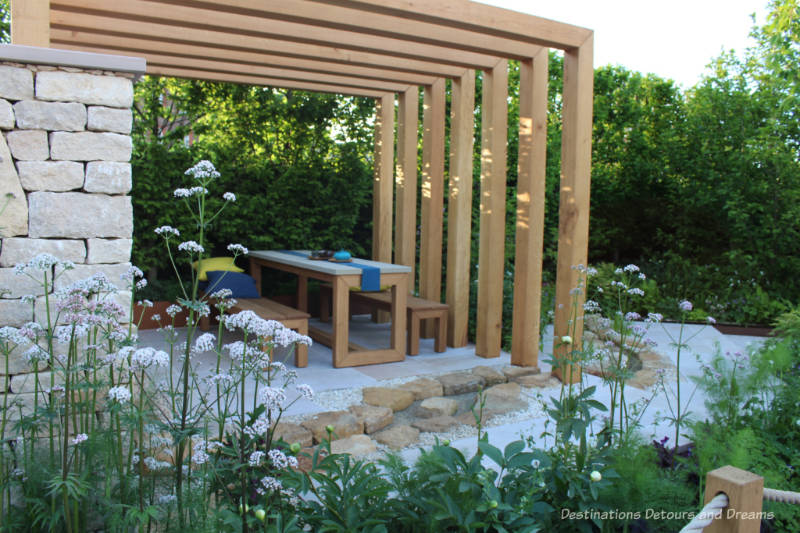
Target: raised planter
x: 159, y: 308
x: 753, y: 331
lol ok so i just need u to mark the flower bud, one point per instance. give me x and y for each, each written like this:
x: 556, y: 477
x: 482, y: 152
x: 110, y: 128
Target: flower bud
x: 492, y: 504
x: 446, y: 442
x: 595, y: 476
x: 329, y: 428
x: 261, y: 514
x: 566, y: 339
x: 295, y: 447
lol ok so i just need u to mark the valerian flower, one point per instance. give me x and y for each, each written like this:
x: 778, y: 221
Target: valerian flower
x: 203, y: 170
x: 192, y: 247
x: 237, y: 249
x: 685, y: 306
x: 229, y: 197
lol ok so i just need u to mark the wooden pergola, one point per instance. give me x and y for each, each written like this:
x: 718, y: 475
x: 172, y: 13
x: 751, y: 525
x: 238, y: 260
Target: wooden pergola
x: 387, y: 49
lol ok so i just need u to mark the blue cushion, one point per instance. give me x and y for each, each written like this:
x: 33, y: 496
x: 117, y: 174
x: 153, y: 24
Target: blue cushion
x: 241, y: 285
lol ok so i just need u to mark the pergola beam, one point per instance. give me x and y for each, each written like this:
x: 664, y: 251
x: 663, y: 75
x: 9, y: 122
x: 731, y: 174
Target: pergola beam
x: 459, y: 207
x: 432, y: 201
x: 223, y: 68
x: 475, y: 16
x: 109, y: 25
x: 382, y: 179
x: 491, y: 253
x: 260, y: 80
x: 339, y: 17
x: 142, y: 47
x: 573, y: 210
x: 30, y: 22
x: 178, y: 16
x: 405, y: 248
x: 531, y: 177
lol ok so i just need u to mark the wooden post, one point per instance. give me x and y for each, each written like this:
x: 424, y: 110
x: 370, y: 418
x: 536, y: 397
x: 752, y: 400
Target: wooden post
x: 382, y: 183
x: 491, y: 255
x: 745, y: 497
x: 30, y: 22
x: 405, y: 225
x: 573, y: 211
x: 530, y: 209
x: 459, y: 207
x: 432, y: 205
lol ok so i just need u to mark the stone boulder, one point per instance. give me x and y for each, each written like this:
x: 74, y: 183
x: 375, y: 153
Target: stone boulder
x: 437, y: 424
x: 292, y: 433
x: 504, y: 398
x: 356, y: 445
x: 540, y: 381
x: 398, y: 437
x: 80, y: 216
x: 460, y: 383
x: 344, y: 425
x: 423, y: 388
x: 394, y: 399
x: 512, y: 372
x: 433, y: 407
x: 490, y: 375
x: 373, y: 417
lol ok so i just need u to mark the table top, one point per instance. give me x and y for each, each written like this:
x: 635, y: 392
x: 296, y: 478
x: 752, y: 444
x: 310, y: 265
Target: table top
x: 327, y: 267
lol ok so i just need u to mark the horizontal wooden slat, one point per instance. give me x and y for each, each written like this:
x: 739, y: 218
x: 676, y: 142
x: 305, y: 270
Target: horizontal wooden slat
x: 223, y: 67
x: 257, y: 80
x: 350, y: 19
x: 221, y: 20
x: 269, y: 309
x: 141, y: 46
x: 105, y: 25
x: 476, y: 16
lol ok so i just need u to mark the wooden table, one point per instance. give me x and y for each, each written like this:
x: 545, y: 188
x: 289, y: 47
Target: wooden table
x: 342, y: 276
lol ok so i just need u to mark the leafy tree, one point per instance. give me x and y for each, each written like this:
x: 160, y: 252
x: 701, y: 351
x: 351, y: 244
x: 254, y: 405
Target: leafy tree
x: 5, y: 22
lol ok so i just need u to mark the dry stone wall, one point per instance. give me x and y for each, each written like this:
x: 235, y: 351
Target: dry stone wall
x: 65, y: 154
x: 65, y: 149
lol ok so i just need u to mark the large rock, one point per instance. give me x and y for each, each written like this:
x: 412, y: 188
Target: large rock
x: 80, y: 216
x: 90, y: 146
x: 110, y: 119
x: 344, y: 425
x: 84, y: 88
x: 22, y: 404
x: 394, y: 399
x: 398, y: 437
x: 504, y: 398
x: 460, y: 383
x: 490, y: 375
x: 437, y: 424
x: 33, y: 115
x: 15, y: 217
x: 56, y: 176
x: 21, y: 250
x: 7, y: 120
x: 18, y: 285
x: 28, y: 145
x: 512, y: 372
x: 108, y: 177
x: 357, y: 446
x: 423, y: 388
x: 16, y: 83
x: 374, y: 418
x: 292, y: 433
x: 433, y: 407
x: 108, y: 250
x: 15, y: 313
x: 80, y: 272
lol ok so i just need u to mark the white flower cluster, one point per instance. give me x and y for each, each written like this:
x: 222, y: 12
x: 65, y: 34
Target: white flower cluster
x: 204, y: 343
x: 43, y: 262
x: 191, y: 246
x: 119, y: 394
x: 237, y: 249
x: 203, y: 170
x: 154, y: 464
x: 240, y: 351
x: 259, y: 427
x: 219, y: 379
x: 272, y: 398
x: 270, y: 483
x: 305, y: 391
x: 131, y: 274
x: 229, y: 197
x: 173, y: 310
x: 77, y: 439
x: 147, y: 357
x: 167, y: 231
x: 281, y: 460
x: 188, y: 193
x: 636, y: 291
x: 11, y: 334
x: 256, y: 458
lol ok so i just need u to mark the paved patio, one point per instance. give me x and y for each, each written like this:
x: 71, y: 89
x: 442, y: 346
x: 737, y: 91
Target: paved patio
x: 325, y: 379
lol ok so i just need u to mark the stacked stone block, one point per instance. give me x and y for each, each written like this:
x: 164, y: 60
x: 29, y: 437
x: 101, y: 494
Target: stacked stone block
x: 65, y: 150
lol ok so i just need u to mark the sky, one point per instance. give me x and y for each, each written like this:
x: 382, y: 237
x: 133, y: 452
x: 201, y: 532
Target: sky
x: 674, y: 39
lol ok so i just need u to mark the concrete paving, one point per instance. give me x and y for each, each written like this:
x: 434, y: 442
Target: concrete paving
x: 702, y: 342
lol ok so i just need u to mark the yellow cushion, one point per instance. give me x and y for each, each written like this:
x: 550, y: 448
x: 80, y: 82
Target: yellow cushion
x: 214, y: 263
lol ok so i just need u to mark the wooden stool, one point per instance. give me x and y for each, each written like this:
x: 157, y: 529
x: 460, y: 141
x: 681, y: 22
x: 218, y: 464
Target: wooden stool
x: 418, y: 310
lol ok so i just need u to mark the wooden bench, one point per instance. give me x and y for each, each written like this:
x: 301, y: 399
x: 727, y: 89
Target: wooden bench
x: 272, y: 310
x: 418, y: 310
